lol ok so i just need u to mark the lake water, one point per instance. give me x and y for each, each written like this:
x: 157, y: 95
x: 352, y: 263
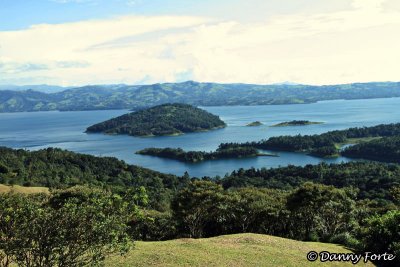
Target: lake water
x: 65, y: 130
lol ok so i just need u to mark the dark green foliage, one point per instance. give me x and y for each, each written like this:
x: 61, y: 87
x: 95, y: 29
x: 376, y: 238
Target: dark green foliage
x: 153, y: 225
x: 311, y: 211
x: 167, y: 119
x: 321, y: 211
x: 383, y: 149
x: 374, y: 180
x: 279, y: 201
x: 325, y: 151
x: 77, y: 227
x: 196, y: 206
x: 194, y: 93
x: 196, y: 156
x: 382, y: 234
x: 254, y: 210
x: 323, y: 145
x: 58, y: 168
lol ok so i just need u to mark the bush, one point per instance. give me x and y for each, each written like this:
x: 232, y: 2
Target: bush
x: 346, y: 239
x: 77, y: 227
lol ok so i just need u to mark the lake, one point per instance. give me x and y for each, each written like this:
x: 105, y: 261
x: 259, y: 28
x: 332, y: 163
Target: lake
x: 37, y: 130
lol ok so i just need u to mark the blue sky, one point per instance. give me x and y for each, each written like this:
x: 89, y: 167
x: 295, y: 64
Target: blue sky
x: 19, y: 14
x: 75, y: 42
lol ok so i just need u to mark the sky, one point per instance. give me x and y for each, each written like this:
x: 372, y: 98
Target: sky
x: 80, y: 42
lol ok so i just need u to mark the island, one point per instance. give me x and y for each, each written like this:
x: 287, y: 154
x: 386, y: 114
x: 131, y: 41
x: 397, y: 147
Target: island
x: 197, y: 156
x: 166, y: 119
x: 254, y: 123
x: 295, y: 123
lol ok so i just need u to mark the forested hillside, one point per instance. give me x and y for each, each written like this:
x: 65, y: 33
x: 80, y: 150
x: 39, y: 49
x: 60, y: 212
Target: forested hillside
x: 383, y: 149
x: 354, y: 204
x: 56, y: 168
x: 99, y: 97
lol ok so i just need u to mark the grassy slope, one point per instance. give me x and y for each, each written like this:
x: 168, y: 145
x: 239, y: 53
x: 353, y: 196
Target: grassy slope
x: 23, y: 189
x: 230, y: 250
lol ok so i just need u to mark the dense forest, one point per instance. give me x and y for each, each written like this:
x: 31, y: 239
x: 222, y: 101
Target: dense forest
x: 100, y: 97
x: 382, y: 149
x: 322, y: 145
x: 196, y: 156
x: 373, y: 180
x: 56, y: 168
x: 167, y: 119
x: 355, y: 204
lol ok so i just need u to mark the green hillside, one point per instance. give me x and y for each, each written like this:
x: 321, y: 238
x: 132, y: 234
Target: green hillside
x: 229, y: 250
x: 100, y: 97
x: 167, y: 119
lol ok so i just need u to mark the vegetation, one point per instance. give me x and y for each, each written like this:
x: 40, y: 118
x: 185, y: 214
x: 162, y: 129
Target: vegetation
x: 383, y: 149
x: 167, y: 119
x: 194, y: 93
x: 196, y: 156
x: 56, y: 168
x: 323, y: 145
x: 239, y: 250
x: 296, y: 123
x: 372, y: 180
x: 254, y: 123
x: 35, y: 230
x: 353, y: 204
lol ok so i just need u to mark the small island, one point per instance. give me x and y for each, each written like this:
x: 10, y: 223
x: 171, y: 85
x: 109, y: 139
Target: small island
x: 295, y: 123
x: 197, y: 156
x: 254, y: 123
x: 166, y: 119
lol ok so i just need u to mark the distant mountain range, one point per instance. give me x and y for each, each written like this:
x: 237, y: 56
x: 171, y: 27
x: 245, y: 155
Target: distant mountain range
x: 100, y: 97
x: 44, y: 88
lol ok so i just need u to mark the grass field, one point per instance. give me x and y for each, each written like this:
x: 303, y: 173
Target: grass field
x: 22, y: 189
x: 230, y: 250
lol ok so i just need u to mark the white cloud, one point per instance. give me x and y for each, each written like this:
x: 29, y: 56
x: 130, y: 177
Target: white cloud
x: 358, y: 44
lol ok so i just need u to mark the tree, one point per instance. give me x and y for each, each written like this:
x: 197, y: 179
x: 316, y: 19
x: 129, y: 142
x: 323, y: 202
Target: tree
x: 320, y: 211
x: 254, y: 210
x: 196, y: 205
x: 74, y: 227
x: 382, y: 234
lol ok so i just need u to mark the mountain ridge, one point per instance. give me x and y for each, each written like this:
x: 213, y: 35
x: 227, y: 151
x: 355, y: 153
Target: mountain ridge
x: 119, y: 96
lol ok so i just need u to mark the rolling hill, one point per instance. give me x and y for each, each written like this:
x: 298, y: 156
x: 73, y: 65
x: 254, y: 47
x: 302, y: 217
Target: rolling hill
x: 100, y: 97
x: 230, y: 250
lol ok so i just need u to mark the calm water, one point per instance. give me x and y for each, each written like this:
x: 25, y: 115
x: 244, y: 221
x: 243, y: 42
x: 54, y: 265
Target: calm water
x: 66, y: 130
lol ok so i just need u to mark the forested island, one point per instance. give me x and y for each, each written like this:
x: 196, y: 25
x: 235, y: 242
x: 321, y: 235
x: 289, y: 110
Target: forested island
x: 120, y: 96
x: 327, y: 144
x: 295, y: 123
x: 254, y: 123
x: 196, y: 156
x: 166, y: 119
x: 379, y: 142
